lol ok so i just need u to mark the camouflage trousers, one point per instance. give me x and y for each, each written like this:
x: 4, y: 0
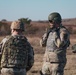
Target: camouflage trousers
x: 52, y: 68
x: 13, y: 71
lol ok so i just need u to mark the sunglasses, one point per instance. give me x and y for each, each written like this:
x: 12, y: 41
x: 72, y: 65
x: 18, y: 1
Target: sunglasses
x: 51, y: 21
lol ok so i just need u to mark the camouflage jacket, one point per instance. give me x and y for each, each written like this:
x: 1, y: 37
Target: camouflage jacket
x: 56, y: 40
x: 30, y: 55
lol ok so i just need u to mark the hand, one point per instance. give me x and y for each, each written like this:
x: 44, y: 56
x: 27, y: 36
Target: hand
x: 62, y: 36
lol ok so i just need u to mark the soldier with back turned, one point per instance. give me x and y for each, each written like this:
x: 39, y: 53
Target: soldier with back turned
x: 17, y: 53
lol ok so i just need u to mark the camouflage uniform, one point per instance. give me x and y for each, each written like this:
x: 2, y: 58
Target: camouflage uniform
x: 56, y: 42
x: 74, y: 48
x: 16, y: 60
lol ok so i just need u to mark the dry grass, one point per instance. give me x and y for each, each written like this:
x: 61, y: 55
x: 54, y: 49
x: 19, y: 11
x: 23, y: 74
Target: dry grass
x: 34, y: 39
x: 70, y: 68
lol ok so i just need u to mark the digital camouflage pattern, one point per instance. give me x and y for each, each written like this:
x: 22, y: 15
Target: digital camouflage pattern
x: 55, y: 55
x: 13, y: 71
x: 16, y: 53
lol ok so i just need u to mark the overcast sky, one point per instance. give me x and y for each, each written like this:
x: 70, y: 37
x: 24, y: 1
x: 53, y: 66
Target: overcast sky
x: 36, y: 9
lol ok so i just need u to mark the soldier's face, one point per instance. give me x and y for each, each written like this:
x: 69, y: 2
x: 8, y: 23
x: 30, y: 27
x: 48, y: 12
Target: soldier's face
x: 53, y: 24
x: 12, y: 31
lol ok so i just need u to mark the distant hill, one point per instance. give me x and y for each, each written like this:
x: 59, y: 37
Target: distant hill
x: 38, y: 27
x: 70, y: 21
x: 66, y: 22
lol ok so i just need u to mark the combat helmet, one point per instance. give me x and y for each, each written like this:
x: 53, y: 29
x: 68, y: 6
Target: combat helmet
x: 55, y: 17
x: 17, y: 25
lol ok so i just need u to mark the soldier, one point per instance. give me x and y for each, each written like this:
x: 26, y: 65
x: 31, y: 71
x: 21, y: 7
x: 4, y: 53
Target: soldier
x: 56, y: 41
x: 17, y: 53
